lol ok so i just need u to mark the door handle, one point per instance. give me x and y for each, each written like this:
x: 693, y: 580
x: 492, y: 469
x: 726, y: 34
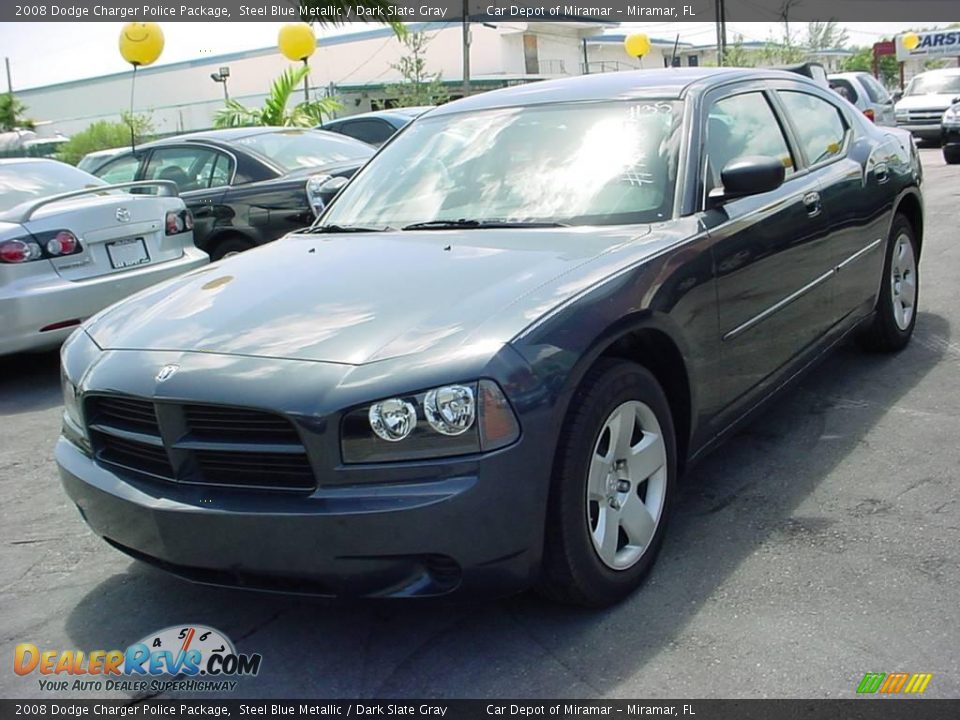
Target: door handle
x: 812, y: 202
x: 881, y: 172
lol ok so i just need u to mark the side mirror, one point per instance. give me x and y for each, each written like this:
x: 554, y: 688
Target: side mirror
x: 749, y: 175
x: 321, y: 189
x: 897, y: 95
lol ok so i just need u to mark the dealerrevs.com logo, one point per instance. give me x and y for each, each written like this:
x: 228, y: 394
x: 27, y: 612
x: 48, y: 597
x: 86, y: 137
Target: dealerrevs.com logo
x: 180, y: 657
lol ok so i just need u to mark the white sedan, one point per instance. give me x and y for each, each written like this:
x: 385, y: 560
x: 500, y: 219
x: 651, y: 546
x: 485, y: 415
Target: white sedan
x: 70, y: 245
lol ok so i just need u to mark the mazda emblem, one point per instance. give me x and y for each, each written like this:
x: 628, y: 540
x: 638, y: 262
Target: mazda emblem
x: 123, y: 215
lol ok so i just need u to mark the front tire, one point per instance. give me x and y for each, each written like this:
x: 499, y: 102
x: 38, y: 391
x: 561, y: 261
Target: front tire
x: 614, y: 479
x: 896, y: 311
x: 951, y: 154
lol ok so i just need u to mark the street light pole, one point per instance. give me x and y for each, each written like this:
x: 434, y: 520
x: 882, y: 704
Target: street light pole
x: 466, y: 48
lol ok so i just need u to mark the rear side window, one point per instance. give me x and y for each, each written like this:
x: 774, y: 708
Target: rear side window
x: 845, y: 89
x: 120, y: 170
x: 743, y: 125
x: 875, y: 90
x: 820, y: 125
x: 190, y: 168
x: 375, y: 132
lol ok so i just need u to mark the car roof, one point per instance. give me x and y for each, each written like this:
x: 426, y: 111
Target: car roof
x: 33, y: 160
x: 672, y: 83
x: 407, y: 113
x: 227, y: 135
x: 940, y: 71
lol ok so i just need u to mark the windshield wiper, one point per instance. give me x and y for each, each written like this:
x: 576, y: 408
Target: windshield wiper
x: 466, y: 223
x: 318, y: 229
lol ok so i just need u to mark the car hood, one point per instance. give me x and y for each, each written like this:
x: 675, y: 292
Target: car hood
x: 926, y: 102
x: 357, y: 298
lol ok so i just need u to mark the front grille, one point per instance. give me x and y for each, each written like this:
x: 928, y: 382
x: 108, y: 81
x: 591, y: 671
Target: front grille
x: 198, y: 444
x: 126, y: 413
x: 222, y: 423
x: 277, y: 470
x: 921, y: 117
x: 131, y: 455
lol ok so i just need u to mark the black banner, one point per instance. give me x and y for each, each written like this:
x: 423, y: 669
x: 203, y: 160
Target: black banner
x: 915, y: 11
x: 854, y: 709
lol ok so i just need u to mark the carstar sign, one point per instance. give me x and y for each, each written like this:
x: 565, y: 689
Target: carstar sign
x: 934, y: 43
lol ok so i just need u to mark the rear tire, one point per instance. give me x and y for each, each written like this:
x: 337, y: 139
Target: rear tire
x: 229, y: 246
x: 896, y: 311
x: 614, y: 479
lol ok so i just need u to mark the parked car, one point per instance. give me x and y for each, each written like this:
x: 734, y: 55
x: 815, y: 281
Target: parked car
x: 245, y: 186
x: 375, y: 127
x: 93, y: 160
x: 950, y: 135
x: 487, y: 364
x: 868, y: 95
x: 70, y: 245
x: 926, y: 98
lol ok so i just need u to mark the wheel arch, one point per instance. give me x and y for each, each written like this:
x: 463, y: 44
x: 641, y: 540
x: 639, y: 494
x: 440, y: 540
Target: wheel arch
x: 649, y: 340
x: 910, y: 206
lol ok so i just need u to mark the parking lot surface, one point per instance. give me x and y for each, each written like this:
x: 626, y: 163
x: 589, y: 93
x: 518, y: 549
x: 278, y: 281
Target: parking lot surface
x: 820, y: 543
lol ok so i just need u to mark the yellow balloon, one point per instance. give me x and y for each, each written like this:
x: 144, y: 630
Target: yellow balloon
x: 910, y: 41
x: 297, y: 41
x: 637, y: 45
x: 141, y: 43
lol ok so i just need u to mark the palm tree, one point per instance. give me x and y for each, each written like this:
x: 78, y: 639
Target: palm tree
x: 274, y: 111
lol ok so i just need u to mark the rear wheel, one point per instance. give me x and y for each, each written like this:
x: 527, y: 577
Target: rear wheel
x: 896, y: 312
x: 614, y: 479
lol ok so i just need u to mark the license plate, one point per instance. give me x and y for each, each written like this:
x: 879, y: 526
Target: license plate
x: 128, y: 253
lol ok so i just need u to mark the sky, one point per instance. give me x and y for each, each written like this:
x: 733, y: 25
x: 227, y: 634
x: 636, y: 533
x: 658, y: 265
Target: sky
x: 46, y: 53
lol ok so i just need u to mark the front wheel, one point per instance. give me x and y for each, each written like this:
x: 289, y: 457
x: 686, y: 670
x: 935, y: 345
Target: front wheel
x: 614, y: 477
x: 951, y: 154
x: 896, y: 311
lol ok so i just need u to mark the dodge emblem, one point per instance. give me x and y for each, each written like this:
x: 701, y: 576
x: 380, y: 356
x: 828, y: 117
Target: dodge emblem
x: 166, y: 372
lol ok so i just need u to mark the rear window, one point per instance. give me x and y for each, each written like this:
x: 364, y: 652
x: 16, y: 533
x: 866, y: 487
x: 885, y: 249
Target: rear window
x: 295, y: 149
x: 20, y: 182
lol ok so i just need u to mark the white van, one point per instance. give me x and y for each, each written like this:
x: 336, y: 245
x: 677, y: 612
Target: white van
x: 925, y: 100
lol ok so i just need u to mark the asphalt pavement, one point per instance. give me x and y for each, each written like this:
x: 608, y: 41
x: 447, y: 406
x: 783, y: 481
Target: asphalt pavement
x: 822, y: 542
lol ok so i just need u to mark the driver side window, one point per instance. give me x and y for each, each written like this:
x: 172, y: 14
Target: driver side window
x: 743, y: 125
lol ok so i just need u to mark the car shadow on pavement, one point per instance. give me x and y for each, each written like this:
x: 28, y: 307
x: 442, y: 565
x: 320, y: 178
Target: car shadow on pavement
x: 29, y: 382
x: 752, y: 501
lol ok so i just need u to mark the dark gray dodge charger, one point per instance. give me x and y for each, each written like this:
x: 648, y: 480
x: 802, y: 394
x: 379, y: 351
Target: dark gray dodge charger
x: 486, y: 365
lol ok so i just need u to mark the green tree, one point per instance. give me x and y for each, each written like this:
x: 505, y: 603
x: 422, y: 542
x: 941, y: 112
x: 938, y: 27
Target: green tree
x: 11, y: 114
x: 862, y: 61
x: 103, y: 135
x: 824, y: 35
x: 418, y: 87
x: 274, y: 111
x: 737, y: 55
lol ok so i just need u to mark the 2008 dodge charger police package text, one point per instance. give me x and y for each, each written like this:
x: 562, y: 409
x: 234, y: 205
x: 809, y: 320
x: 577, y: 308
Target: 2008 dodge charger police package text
x: 487, y: 364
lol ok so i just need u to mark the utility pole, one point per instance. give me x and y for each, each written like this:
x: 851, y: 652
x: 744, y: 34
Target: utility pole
x: 6, y: 61
x: 466, y: 48
x: 720, y: 58
x: 723, y: 27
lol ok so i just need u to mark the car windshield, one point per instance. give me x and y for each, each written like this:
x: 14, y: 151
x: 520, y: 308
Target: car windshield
x: 934, y: 85
x: 24, y: 181
x: 295, y: 149
x: 576, y: 164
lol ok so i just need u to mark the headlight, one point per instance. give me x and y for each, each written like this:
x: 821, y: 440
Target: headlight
x: 952, y: 115
x: 456, y: 419
x: 71, y: 400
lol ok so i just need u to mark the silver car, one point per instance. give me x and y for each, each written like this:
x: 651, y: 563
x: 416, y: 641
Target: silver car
x: 868, y: 95
x: 70, y: 245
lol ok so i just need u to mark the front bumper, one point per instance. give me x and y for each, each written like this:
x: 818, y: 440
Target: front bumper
x: 950, y: 135
x: 471, y: 524
x: 420, y: 539
x: 928, y: 132
x: 46, y: 299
